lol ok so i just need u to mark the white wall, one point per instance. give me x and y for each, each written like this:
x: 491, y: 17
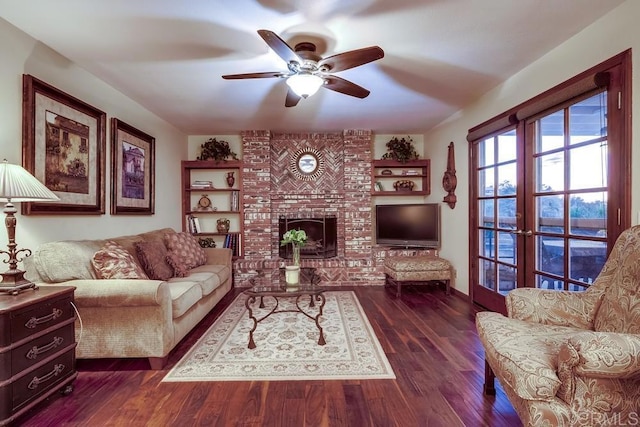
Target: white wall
x: 612, y: 34
x: 20, y: 55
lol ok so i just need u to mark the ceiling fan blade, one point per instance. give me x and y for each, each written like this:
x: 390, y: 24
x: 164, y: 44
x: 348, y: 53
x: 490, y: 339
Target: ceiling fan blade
x: 254, y: 75
x: 292, y: 98
x: 279, y: 46
x: 345, y: 86
x: 353, y: 58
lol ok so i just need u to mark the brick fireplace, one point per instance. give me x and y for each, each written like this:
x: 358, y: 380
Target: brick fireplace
x: 342, y: 192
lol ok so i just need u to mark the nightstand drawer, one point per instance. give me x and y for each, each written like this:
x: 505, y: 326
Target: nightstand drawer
x: 38, y: 381
x: 29, y: 321
x: 39, y: 349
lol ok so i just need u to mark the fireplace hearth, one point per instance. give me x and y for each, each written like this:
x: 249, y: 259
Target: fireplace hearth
x: 322, y: 235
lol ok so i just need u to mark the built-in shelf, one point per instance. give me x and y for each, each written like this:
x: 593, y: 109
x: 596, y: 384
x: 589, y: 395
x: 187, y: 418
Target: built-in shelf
x: 204, y: 207
x: 386, y: 173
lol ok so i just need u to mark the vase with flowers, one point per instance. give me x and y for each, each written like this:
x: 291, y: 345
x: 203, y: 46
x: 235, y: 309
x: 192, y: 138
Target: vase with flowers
x: 296, y: 238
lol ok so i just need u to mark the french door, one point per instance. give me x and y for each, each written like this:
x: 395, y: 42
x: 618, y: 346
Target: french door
x: 548, y: 198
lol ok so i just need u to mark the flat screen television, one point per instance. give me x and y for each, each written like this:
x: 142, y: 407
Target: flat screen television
x: 411, y: 225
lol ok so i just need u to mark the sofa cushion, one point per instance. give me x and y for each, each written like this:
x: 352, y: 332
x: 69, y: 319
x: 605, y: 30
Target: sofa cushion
x: 210, y: 276
x: 524, y: 354
x: 112, y: 261
x: 184, y: 251
x: 52, y: 260
x: 184, y: 294
x: 152, y: 255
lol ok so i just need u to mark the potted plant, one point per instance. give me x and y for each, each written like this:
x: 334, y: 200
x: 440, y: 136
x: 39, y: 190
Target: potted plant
x: 297, y: 238
x: 401, y: 150
x: 216, y: 150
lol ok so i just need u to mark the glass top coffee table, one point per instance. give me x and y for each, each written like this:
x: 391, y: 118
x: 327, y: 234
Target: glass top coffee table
x: 308, y: 298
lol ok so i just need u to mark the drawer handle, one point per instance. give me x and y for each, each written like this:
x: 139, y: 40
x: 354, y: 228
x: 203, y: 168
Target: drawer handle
x: 36, y: 351
x: 35, y: 382
x: 35, y: 321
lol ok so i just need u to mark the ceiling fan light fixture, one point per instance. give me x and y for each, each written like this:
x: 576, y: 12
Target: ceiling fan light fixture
x: 305, y: 84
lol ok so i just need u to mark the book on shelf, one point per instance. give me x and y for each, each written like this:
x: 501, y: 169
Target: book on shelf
x: 202, y: 184
x: 234, y: 203
x: 232, y: 241
x: 193, y: 224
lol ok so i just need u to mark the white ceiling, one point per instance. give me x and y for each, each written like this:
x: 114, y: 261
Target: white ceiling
x: 168, y: 55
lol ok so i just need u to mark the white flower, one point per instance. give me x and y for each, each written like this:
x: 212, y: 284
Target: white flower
x: 295, y: 237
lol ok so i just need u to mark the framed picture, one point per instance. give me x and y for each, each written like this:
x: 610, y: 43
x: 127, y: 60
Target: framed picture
x: 132, y: 170
x: 64, y: 141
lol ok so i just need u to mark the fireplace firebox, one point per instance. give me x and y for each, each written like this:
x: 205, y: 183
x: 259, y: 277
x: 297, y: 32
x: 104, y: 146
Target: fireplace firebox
x: 322, y: 236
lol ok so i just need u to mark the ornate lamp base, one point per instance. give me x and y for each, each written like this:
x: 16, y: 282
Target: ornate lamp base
x: 13, y: 282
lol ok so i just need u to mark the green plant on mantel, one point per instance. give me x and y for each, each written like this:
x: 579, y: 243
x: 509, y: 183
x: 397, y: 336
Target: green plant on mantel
x: 216, y: 150
x: 401, y: 150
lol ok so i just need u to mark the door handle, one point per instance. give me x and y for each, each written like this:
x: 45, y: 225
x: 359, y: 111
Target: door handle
x: 527, y: 233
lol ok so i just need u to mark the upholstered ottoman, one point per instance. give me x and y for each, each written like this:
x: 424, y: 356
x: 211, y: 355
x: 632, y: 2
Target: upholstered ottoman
x: 414, y: 270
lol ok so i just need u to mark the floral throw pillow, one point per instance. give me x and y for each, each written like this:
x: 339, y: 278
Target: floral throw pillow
x: 113, y: 261
x: 184, y: 252
x: 153, y: 257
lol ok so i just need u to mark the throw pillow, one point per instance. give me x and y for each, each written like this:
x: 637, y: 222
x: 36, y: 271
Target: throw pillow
x: 179, y: 270
x: 184, y: 251
x: 113, y: 261
x: 153, y: 257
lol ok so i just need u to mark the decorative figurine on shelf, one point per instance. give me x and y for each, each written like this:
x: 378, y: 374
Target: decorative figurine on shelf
x: 216, y: 150
x: 404, y: 185
x: 207, y: 242
x: 297, y: 239
x: 230, y: 179
x: 401, y: 150
x: 449, y: 180
x: 223, y: 225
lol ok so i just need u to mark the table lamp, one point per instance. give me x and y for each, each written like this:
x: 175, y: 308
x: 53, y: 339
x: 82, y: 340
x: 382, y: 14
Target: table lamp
x: 17, y: 185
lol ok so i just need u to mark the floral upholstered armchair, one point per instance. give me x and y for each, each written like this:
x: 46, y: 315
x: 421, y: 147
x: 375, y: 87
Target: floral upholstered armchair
x: 571, y: 358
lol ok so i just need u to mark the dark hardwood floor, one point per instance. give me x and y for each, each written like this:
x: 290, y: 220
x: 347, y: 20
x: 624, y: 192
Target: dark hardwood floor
x: 429, y: 338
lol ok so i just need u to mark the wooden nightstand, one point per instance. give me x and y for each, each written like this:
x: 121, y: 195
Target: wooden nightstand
x: 37, y: 348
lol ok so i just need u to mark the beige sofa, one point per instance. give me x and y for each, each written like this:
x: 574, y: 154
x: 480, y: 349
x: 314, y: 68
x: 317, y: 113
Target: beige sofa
x: 131, y: 318
x: 572, y: 358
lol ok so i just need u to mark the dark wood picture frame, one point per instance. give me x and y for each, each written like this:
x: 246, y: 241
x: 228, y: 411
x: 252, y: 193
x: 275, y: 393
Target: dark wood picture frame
x: 132, y: 170
x: 64, y: 143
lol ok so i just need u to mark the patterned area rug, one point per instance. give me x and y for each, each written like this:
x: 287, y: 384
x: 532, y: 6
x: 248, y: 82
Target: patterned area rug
x: 287, y: 346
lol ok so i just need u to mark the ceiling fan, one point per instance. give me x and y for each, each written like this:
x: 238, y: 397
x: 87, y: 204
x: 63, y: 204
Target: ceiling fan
x: 308, y: 71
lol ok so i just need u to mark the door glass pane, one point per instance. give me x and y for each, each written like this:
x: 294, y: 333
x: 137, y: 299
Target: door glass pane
x: 588, y: 214
x: 506, y: 278
x: 486, y: 152
x: 550, y: 171
x: 550, y: 132
x: 489, y: 244
x: 586, y: 258
x: 507, y: 213
x: 507, y: 179
x: 506, y: 247
x: 550, y: 213
x: 546, y: 282
x: 588, y: 119
x: 487, y: 274
x: 588, y: 166
x: 550, y: 255
x: 486, y: 182
x: 507, y: 146
x: 486, y: 209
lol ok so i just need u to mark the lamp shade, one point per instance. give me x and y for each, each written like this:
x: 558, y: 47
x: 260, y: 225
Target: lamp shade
x: 305, y: 84
x: 18, y: 185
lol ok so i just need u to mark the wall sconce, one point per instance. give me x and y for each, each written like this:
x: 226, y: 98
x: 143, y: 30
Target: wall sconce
x: 449, y: 180
x: 17, y: 185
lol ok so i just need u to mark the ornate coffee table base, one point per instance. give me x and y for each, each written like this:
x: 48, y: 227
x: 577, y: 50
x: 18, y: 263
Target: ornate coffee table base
x: 314, y: 295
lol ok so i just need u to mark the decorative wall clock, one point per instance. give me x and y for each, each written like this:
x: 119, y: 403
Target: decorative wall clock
x: 307, y: 164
